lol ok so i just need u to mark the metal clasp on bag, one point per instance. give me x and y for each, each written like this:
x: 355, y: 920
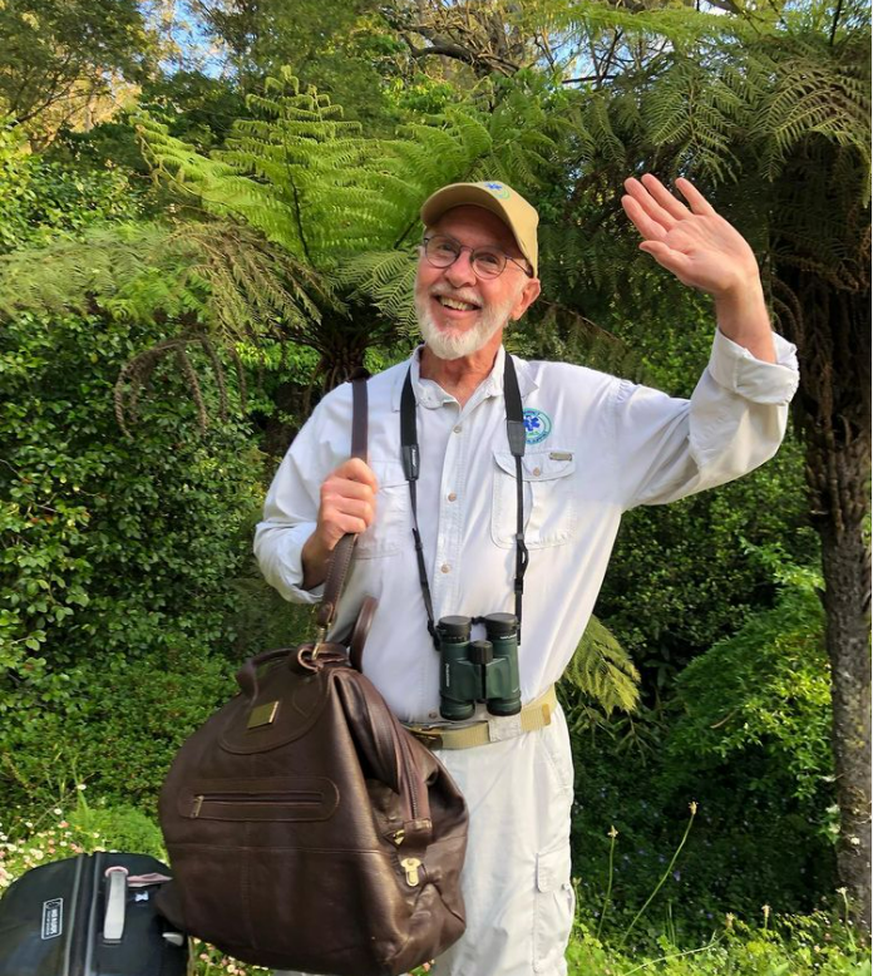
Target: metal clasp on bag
x: 321, y: 633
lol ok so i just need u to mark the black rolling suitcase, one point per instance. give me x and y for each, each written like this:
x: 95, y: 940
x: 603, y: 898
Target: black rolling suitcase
x: 92, y: 915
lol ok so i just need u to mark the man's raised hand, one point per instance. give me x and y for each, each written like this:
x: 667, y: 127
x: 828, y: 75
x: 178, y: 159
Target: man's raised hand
x: 701, y: 248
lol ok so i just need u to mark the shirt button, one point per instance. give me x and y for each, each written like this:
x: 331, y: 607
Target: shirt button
x: 432, y: 714
x: 536, y: 472
x: 457, y: 429
x: 445, y: 568
x: 452, y: 496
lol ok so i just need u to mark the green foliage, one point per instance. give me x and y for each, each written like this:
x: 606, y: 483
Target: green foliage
x: 682, y: 576
x: 50, y: 45
x: 767, y: 687
x: 214, y: 274
x: 41, y: 200
x: 112, y: 720
x: 386, y: 279
x: 309, y: 180
x: 117, y: 557
x: 603, y: 670
x: 126, y: 826
x: 342, y: 48
x: 314, y: 184
x: 791, y: 946
x: 746, y: 735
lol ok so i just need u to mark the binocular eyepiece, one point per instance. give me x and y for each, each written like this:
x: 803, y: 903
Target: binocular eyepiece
x: 480, y: 670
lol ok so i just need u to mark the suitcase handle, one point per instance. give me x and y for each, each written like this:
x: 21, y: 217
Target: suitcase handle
x: 116, y: 899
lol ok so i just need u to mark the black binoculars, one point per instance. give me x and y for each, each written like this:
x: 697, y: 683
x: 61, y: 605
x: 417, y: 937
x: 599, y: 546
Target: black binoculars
x: 480, y: 670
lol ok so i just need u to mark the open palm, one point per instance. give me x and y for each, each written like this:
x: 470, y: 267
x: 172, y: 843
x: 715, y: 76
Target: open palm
x: 701, y: 248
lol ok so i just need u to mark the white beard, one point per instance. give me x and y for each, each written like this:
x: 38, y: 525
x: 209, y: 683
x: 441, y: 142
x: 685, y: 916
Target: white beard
x: 455, y: 344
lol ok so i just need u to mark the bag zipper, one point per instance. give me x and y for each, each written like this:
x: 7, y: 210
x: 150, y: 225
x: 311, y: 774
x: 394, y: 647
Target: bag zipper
x: 301, y: 798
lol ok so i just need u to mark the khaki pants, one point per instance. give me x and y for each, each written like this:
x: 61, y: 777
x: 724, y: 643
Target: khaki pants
x: 516, y: 881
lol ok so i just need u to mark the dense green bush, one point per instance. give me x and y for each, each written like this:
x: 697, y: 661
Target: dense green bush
x: 41, y: 199
x: 746, y: 736
x: 118, y: 559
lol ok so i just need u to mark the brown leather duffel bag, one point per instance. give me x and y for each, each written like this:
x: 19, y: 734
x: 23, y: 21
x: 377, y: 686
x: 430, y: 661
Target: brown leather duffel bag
x: 306, y: 828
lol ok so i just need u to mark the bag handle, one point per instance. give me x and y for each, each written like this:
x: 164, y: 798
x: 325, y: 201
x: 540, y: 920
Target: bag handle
x: 341, y: 557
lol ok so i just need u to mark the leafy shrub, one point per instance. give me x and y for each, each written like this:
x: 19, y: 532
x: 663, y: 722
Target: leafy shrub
x: 117, y: 562
x: 766, y: 689
x: 40, y: 198
x: 747, y: 737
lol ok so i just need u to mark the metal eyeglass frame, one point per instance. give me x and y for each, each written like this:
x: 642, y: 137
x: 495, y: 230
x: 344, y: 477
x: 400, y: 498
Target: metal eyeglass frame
x: 466, y: 247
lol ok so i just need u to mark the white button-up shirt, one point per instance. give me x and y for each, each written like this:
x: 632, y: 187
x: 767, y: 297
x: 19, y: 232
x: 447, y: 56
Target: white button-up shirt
x: 596, y: 447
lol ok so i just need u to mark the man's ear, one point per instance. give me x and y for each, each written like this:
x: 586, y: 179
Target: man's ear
x: 528, y: 296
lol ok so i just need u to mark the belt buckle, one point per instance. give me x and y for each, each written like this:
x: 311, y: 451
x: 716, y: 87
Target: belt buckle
x: 429, y: 735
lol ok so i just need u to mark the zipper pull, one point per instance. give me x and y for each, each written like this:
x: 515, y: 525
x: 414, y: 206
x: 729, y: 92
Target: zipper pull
x: 198, y: 803
x: 411, y: 865
x: 398, y: 836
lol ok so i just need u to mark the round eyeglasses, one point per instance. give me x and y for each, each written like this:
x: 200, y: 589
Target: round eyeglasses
x: 441, y: 251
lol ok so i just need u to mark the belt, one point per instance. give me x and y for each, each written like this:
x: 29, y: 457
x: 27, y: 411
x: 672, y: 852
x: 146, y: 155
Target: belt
x: 536, y: 715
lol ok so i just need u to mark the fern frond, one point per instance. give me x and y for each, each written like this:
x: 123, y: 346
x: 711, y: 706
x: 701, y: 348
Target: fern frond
x: 603, y: 670
x: 384, y: 279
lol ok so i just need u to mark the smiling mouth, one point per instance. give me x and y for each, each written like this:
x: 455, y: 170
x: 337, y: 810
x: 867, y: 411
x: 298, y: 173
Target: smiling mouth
x: 456, y: 304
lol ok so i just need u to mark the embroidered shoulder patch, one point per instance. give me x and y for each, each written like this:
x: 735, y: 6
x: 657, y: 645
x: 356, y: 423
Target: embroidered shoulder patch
x: 537, y: 425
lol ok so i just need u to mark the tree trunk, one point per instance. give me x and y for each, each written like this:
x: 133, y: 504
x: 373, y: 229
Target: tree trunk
x: 831, y: 326
x: 833, y: 407
x: 846, y: 560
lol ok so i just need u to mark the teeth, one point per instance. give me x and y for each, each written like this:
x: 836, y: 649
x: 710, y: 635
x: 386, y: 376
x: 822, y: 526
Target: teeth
x: 454, y: 303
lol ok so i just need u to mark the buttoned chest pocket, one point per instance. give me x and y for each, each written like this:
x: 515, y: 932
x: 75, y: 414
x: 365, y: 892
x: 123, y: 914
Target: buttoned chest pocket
x: 392, y: 527
x: 548, y: 479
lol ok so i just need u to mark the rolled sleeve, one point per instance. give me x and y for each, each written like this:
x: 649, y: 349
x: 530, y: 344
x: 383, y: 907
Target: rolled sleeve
x: 733, y: 367
x: 279, y: 549
x: 668, y: 448
x: 290, y: 514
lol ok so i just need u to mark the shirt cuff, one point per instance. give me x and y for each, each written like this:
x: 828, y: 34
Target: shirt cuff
x: 736, y: 369
x: 283, y: 567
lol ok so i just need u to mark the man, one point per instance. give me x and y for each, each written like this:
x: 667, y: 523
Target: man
x: 596, y: 446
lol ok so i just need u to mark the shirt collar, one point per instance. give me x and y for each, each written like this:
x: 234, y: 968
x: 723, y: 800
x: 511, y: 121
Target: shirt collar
x: 429, y: 394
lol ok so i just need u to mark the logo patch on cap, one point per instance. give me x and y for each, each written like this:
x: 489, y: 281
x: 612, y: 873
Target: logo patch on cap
x: 499, y: 190
x: 537, y: 425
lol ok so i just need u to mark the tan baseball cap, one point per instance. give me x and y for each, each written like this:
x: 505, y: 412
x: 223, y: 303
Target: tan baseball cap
x: 500, y: 199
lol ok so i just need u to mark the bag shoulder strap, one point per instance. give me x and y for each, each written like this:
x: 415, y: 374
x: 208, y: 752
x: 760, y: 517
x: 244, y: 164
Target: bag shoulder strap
x: 341, y: 558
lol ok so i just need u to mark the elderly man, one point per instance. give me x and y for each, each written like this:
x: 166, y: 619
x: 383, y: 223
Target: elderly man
x: 595, y: 447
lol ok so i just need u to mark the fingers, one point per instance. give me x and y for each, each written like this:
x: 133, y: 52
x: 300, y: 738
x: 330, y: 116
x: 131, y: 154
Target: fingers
x: 660, y: 207
x: 657, y: 207
x: 348, y: 502
x: 668, y: 258
x: 356, y: 470
x: 665, y: 199
x: 699, y: 203
x: 650, y: 229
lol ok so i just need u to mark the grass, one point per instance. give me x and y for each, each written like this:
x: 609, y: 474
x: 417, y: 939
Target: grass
x: 819, y: 944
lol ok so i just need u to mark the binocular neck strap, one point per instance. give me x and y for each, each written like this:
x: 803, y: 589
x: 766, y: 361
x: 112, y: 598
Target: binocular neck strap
x: 515, y: 433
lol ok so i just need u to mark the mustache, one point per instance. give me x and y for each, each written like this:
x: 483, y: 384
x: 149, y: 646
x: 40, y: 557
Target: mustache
x: 459, y: 294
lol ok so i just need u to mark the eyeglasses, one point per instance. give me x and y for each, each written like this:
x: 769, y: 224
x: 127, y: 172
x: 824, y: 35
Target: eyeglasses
x: 487, y: 262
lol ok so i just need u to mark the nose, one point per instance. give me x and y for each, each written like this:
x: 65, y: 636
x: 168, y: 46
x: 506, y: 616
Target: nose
x: 460, y: 272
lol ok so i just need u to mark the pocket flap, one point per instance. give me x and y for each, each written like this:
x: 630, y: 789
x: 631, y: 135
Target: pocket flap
x: 389, y: 473
x: 553, y: 868
x: 539, y: 465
